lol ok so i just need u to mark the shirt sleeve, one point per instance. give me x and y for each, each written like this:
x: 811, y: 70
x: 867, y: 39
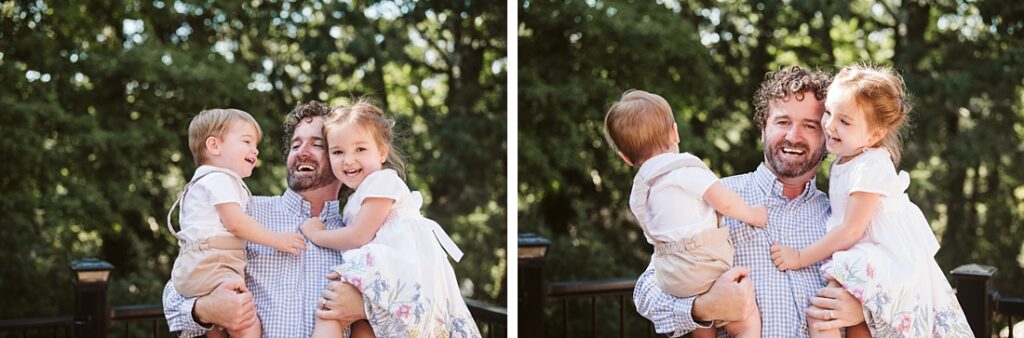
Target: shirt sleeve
x: 670, y: 315
x: 875, y: 175
x: 178, y: 311
x: 384, y: 183
x: 222, y: 188
x: 693, y: 180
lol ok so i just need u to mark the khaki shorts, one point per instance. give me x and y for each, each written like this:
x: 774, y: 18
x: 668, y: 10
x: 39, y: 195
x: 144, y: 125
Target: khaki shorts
x: 689, y: 267
x: 201, y: 266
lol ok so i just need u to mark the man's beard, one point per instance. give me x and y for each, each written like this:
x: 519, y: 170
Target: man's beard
x: 310, y: 180
x: 792, y: 169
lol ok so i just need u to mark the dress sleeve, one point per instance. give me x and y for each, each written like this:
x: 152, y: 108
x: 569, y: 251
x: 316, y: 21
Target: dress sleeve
x: 384, y: 183
x: 876, y: 174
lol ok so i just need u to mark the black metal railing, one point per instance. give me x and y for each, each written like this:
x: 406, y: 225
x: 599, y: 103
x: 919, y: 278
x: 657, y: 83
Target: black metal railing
x: 93, y: 317
x: 973, y: 287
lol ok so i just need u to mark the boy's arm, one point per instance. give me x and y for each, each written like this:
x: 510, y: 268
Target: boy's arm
x: 245, y: 227
x: 730, y: 204
x: 859, y: 211
x: 372, y: 215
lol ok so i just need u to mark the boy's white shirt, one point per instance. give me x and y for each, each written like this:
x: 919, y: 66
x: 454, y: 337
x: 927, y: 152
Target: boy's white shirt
x: 676, y: 209
x: 198, y: 214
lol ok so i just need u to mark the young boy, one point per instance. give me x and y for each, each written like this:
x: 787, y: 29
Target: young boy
x: 213, y: 221
x: 675, y: 198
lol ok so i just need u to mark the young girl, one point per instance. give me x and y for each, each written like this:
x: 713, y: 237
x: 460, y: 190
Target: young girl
x: 392, y: 254
x: 881, y: 245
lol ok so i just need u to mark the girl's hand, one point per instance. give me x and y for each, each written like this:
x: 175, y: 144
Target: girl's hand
x: 785, y: 258
x: 312, y: 226
x: 288, y: 242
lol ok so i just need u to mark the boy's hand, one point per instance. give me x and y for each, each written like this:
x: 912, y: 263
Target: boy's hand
x: 288, y: 242
x: 760, y: 216
x: 785, y: 258
x: 312, y: 226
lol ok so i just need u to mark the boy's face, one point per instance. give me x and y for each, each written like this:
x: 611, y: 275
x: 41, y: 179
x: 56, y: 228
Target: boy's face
x: 236, y: 150
x: 308, y: 166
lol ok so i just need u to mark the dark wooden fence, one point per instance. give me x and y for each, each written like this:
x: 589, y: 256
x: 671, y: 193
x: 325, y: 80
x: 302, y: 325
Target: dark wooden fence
x: 93, y: 316
x: 982, y: 305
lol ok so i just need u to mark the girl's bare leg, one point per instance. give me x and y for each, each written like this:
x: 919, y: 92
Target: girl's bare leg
x: 749, y: 327
x: 362, y: 329
x: 858, y: 331
x: 327, y: 328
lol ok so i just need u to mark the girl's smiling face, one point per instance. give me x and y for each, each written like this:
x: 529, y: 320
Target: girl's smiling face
x: 847, y: 129
x: 354, y: 153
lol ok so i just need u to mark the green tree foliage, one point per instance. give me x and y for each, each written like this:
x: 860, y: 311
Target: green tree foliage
x: 961, y: 62
x: 96, y: 97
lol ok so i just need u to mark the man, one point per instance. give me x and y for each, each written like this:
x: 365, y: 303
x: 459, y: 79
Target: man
x: 788, y: 106
x: 287, y: 290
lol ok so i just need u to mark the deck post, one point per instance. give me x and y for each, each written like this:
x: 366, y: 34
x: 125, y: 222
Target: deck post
x: 532, y: 289
x: 973, y: 284
x: 91, y: 278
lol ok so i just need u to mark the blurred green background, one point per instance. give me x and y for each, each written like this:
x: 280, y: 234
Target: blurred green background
x: 963, y: 62
x: 96, y: 96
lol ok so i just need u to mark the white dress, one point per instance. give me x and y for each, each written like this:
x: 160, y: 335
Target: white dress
x: 892, y: 269
x: 408, y: 285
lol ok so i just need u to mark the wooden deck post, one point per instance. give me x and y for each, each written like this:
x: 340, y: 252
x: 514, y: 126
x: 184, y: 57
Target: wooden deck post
x: 532, y: 289
x: 973, y: 284
x: 91, y: 277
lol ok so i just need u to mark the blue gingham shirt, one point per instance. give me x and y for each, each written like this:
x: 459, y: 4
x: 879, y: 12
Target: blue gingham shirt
x: 286, y: 288
x: 781, y: 296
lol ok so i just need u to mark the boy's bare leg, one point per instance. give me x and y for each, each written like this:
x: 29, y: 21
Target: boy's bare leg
x: 705, y: 333
x: 362, y: 329
x: 254, y: 331
x: 217, y: 332
x: 749, y: 327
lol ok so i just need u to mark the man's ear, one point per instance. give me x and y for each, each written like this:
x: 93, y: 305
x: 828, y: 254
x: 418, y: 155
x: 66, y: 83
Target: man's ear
x: 624, y: 158
x: 213, y: 146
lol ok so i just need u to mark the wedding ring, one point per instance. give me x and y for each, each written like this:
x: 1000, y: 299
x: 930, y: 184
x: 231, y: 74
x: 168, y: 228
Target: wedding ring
x: 831, y: 315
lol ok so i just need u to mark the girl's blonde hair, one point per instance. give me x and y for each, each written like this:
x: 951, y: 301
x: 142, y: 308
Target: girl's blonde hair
x: 214, y: 123
x: 366, y: 114
x: 881, y: 93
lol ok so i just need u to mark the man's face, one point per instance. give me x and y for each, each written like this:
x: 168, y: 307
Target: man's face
x: 308, y: 166
x: 792, y: 136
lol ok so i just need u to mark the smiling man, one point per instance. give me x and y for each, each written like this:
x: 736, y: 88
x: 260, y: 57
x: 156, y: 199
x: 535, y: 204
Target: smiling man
x: 284, y: 290
x: 788, y: 110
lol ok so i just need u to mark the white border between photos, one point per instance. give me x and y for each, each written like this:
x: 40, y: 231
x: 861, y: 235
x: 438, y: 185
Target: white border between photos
x: 512, y: 165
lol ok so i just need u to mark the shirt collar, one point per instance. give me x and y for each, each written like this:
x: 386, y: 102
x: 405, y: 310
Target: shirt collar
x: 767, y: 180
x: 299, y: 206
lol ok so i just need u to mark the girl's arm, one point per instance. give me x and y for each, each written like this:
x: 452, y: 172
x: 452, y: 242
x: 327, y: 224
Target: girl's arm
x: 730, y: 204
x: 372, y: 215
x: 859, y: 211
x: 245, y: 227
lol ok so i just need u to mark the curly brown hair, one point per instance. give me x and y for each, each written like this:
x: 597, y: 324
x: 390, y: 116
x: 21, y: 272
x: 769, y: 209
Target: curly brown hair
x: 302, y: 111
x: 781, y: 84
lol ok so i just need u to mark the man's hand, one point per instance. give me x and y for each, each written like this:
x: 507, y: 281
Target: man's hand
x: 229, y: 306
x: 731, y: 298
x: 785, y: 258
x: 289, y: 242
x: 340, y: 301
x: 835, y: 307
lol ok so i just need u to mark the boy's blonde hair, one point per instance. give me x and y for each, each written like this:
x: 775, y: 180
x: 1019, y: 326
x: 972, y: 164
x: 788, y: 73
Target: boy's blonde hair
x: 881, y: 93
x: 639, y: 124
x: 214, y: 123
x: 366, y: 114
